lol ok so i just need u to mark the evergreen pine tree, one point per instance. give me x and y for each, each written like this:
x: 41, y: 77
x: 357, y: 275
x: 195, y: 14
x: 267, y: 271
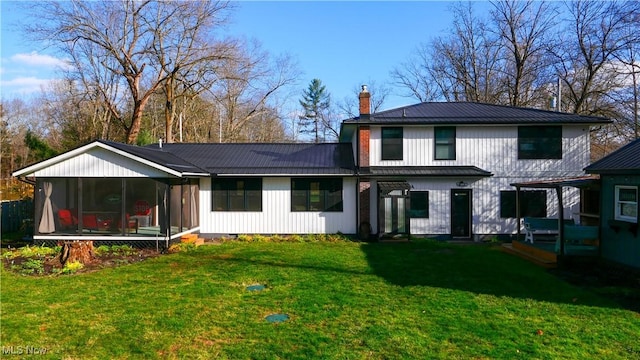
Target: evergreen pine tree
x: 315, y: 103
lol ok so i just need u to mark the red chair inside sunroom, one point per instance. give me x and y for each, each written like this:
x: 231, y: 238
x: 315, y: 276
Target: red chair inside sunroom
x: 66, y: 219
x: 90, y: 221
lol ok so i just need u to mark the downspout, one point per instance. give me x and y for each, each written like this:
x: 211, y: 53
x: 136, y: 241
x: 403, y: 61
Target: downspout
x: 518, y: 234
x: 560, y: 219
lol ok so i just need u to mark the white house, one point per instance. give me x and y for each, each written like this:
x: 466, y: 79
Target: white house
x: 439, y: 169
x: 446, y: 169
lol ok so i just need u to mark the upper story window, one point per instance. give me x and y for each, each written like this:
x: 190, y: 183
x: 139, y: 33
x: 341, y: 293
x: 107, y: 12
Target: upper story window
x: 391, y: 143
x: 540, y: 142
x: 231, y: 194
x: 316, y: 194
x: 445, y: 143
x: 626, y: 203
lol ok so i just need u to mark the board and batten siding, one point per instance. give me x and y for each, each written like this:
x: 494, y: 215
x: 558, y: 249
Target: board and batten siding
x: 491, y: 148
x: 98, y: 162
x: 276, y: 216
x: 485, y: 205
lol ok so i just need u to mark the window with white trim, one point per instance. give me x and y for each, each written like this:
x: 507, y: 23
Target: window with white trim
x: 626, y: 203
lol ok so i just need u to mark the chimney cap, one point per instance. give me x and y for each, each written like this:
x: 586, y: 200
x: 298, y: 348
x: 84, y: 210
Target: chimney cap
x: 364, y: 88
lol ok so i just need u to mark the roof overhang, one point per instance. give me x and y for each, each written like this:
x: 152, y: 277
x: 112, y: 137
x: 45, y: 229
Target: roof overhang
x: 430, y: 171
x: 387, y: 186
x: 589, y: 181
x: 31, y: 170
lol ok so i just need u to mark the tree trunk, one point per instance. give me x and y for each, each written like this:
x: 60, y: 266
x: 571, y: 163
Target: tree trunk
x: 76, y: 250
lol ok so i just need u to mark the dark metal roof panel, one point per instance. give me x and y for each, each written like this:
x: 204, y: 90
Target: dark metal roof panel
x: 393, y: 185
x: 474, y: 113
x: 624, y: 160
x: 157, y: 156
x: 429, y: 171
x: 292, y: 158
x: 281, y: 171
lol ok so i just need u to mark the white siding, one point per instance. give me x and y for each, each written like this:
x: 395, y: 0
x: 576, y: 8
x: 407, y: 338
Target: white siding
x: 98, y: 162
x: 276, y: 216
x: 485, y: 205
x: 491, y: 148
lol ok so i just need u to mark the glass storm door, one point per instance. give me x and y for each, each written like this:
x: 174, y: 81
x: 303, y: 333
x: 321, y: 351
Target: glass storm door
x: 394, y: 217
x: 461, y: 213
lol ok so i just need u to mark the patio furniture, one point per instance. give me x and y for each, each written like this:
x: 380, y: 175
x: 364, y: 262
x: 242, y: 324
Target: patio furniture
x: 90, y: 222
x: 66, y: 219
x: 132, y: 223
x: 579, y: 240
x: 541, y: 226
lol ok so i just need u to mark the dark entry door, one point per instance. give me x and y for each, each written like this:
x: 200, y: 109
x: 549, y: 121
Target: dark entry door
x: 461, y: 213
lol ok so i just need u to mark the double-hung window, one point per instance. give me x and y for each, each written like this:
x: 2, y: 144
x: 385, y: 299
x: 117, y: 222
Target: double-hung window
x: 316, y: 194
x: 626, y: 203
x: 233, y: 194
x: 391, y: 143
x: 419, y: 204
x: 445, y: 143
x: 540, y: 142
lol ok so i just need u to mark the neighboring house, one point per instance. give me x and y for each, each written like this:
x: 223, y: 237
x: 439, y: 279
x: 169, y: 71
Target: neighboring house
x: 620, y: 179
x: 439, y: 169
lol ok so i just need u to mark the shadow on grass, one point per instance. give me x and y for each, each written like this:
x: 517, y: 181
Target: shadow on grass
x: 479, y: 269
x: 476, y: 268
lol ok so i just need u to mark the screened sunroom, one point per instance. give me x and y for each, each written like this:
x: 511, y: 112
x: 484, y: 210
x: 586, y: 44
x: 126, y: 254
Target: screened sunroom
x: 114, y: 209
x: 113, y: 192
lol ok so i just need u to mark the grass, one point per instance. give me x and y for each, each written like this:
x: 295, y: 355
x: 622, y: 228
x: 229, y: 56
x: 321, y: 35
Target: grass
x: 345, y: 301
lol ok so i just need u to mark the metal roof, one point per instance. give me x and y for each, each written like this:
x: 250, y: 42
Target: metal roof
x: 473, y: 113
x: 586, y: 182
x: 268, y: 159
x: 625, y: 160
x: 436, y: 171
x: 157, y: 156
x: 387, y: 186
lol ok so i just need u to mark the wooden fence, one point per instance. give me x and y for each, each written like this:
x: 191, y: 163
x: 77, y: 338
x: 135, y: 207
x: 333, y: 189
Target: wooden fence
x: 16, y: 213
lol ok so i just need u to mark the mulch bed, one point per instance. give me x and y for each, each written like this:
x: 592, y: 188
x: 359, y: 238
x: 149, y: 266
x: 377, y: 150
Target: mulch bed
x: 52, y: 265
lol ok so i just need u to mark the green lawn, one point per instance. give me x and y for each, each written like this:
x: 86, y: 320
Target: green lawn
x: 345, y: 301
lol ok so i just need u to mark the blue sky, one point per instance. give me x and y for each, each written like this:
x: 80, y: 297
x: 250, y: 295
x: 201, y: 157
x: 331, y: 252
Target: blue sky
x: 341, y: 43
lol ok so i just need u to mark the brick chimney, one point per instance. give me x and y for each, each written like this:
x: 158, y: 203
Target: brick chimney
x: 365, y: 102
x: 363, y: 130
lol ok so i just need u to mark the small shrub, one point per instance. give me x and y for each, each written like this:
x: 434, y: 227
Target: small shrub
x: 181, y: 247
x: 260, y: 238
x: 29, y: 267
x: 123, y: 250
x: 102, y: 250
x: 72, y: 267
x: 244, y: 238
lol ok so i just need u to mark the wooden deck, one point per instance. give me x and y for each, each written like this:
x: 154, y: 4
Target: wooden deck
x: 541, y: 253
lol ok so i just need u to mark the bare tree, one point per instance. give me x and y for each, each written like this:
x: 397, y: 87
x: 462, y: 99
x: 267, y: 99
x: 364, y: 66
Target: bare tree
x: 250, y: 86
x: 584, y: 55
x: 462, y: 66
x: 113, y: 46
x: 524, y: 27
